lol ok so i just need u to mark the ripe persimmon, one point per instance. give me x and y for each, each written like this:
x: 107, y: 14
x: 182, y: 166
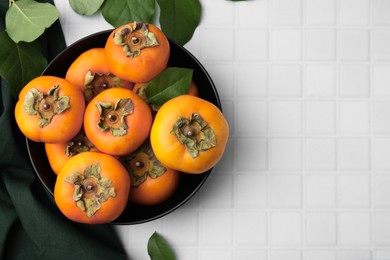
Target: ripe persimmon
x: 50, y: 109
x: 91, y: 73
x: 59, y: 153
x: 151, y: 182
x: 137, y: 51
x: 117, y: 121
x: 189, y: 134
x: 92, y: 188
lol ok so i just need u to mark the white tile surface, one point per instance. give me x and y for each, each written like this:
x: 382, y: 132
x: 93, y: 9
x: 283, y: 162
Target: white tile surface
x: 305, y: 88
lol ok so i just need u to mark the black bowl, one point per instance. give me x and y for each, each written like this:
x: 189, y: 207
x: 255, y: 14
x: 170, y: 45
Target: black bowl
x: 189, y: 183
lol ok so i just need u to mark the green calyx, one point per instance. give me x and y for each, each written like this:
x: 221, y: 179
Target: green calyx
x: 112, y: 117
x: 45, y: 106
x: 90, y: 189
x: 135, y: 38
x: 195, y: 134
x: 80, y: 143
x: 142, y: 164
x: 97, y: 82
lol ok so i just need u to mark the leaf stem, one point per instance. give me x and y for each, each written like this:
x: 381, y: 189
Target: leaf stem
x: 10, y: 2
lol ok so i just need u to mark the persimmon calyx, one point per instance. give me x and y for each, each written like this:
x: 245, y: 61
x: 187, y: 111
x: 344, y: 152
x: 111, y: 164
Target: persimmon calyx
x: 142, y: 164
x: 195, y: 134
x: 112, y: 117
x: 90, y: 189
x: 45, y: 106
x: 97, y: 82
x: 135, y: 38
x: 80, y: 143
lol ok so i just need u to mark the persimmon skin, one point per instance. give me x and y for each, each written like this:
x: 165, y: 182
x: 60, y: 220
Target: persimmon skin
x: 139, y: 123
x: 143, y: 67
x: 170, y: 151
x: 155, y: 191
x: 110, y: 168
x: 62, y: 127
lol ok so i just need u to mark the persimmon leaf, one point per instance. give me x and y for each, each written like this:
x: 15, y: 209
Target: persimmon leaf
x: 26, y: 20
x: 20, y: 62
x: 179, y: 18
x: 86, y: 7
x: 158, y: 248
x: 170, y: 83
x: 119, y: 12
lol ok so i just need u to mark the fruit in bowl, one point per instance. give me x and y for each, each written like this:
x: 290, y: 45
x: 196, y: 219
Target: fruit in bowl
x: 112, y: 110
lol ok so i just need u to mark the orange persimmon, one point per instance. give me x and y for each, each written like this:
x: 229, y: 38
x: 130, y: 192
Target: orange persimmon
x: 189, y: 134
x: 50, y: 109
x: 137, y: 51
x: 92, y: 188
x: 117, y: 121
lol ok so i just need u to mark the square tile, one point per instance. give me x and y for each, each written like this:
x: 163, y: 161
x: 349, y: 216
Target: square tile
x: 286, y: 154
x: 354, y: 154
x: 251, y: 190
x: 283, y: 254
x: 285, y: 12
x: 354, y: 81
x: 252, y: 13
x: 252, y: 80
x: 381, y: 191
x: 223, y: 18
x: 320, y: 255
x: 353, y: 45
x: 320, y: 191
x: 382, y: 228
x: 320, y: 81
x: 380, y: 45
x: 250, y: 253
x: 251, y: 118
x: 213, y: 50
x: 321, y: 154
x: 223, y: 78
x: 355, y: 254
x: 354, y: 191
x: 215, y: 228
x: 381, y: 80
x: 215, y: 253
x: 381, y: 119
x: 252, y: 45
x: 354, y: 228
x: 354, y: 12
x: 285, y: 80
x: 381, y: 153
x: 320, y: 12
x: 285, y: 117
x: 251, y: 228
x: 285, y: 191
x: 320, y: 117
x: 285, y: 228
x: 354, y: 117
x: 382, y: 254
x: 227, y: 161
x: 320, y: 44
x: 285, y: 45
x: 252, y: 153
x: 321, y: 229
x: 217, y: 192
x: 380, y: 10
x: 182, y: 226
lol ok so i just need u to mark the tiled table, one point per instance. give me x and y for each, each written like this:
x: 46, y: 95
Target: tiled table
x: 305, y: 86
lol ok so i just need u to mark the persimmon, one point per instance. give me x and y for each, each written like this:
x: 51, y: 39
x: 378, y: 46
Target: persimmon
x: 117, y: 121
x: 92, y: 188
x: 151, y: 182
x: 189, y: 134
x: 137, y: 51
x: 91, y: 73
x: 50, y: 109
x: 59, y: 153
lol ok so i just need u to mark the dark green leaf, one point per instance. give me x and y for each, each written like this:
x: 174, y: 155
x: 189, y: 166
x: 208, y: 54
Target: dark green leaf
x: 158, y: 249
x: 26, y: 20
x: 170, y: 83
x: 20, y: 62
x: 86, y: 7
x: 119, y: 12
x: 179, y: 18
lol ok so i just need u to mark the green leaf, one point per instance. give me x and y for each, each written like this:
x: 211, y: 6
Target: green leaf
x: 26, y: 20
x: 20, y: 62
x: 119, y: 12
x: 158, y: 249
x: 179, y: 18
x: 86, y: 7
x: 170, y: 83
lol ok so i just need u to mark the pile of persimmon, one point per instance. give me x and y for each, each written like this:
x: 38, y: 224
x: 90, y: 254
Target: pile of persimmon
x: 107, y: 140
